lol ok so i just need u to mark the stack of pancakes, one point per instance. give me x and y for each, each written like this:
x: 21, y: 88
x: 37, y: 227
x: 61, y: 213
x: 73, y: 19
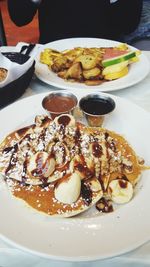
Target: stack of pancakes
x: 61, y: 167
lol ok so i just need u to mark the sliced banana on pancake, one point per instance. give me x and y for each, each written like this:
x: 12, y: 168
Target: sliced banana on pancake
x: 83, y: 166
x: 40, y: 166
x: 120, y: 190
x: 61, y: 154
x: 68, y: 190
x: 75, y: 196
x: 65, y: 119
x: 42, y: 121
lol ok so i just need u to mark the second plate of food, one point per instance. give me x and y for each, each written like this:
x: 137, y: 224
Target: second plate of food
x: 90, y: 76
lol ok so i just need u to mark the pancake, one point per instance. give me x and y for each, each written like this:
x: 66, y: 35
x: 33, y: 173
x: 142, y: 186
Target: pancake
x: 63, y: 170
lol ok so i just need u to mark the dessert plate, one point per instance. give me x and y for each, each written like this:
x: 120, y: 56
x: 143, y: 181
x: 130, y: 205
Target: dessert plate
x: 92, y: 235
x: 137, y: 71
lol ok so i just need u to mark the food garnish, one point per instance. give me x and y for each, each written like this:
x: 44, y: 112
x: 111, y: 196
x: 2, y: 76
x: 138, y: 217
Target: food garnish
x: 119, y: 59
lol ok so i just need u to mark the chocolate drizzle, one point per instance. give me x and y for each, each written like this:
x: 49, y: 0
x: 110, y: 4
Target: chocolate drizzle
x: 86, y: 193
x: 82, y: 167
x: 64, y: 120
x: 104, y: 205
x: 97, y: 150
x: 77, y: 137
x: 22, y: 131
x: 8, y: 149
x: 13, y: 159
x: 123, y: 183
x: 24, y: 178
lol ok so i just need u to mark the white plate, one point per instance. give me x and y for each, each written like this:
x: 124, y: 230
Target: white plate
x: 137, y: 72
x: 91, y: 235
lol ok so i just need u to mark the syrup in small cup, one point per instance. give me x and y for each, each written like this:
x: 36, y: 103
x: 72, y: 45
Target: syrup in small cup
x: 58, y: 103
x: 95, y: 107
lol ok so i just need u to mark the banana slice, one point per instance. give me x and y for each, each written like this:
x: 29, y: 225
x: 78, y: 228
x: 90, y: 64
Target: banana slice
x: 65, y: 119
x: 84, y: 168
x: 68, y: 191
x: 96, y: 186
x: 121, y: 191
x: 60, y: 152
x: 41, y: 165
x: 75, y: 196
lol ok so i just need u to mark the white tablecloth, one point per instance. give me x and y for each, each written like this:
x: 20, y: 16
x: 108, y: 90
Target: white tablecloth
x: 12, y: 257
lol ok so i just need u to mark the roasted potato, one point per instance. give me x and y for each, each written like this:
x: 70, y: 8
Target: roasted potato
x: 92, y: 73
x: 87, y: 61
x: 93, y: 82
x: 62, y: 74
x: 75, y: 71
x: 72, y: 54
x: 60, y: 63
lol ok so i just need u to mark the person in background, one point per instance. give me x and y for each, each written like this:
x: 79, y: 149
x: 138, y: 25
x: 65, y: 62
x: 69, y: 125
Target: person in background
x: 59, y: 19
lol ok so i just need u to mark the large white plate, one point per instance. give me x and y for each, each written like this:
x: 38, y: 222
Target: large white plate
x: 91, y: 235
x: 137, y: 72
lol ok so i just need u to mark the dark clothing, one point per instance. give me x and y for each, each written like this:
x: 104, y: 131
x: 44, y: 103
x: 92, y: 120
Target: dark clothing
x: 59, y: 19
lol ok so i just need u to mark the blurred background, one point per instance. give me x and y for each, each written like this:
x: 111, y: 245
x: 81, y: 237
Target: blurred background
x: 14, y: 34
x: 140, y: 38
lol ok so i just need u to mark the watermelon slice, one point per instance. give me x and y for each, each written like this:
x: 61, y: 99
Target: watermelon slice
x: 122, y: 56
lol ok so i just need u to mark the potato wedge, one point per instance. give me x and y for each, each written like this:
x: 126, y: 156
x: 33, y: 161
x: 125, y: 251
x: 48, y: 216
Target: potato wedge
x: 60, y: 63
x: 93, y: 82
x: 75, y: 71
x: 72, y: 54
x: 62, y: 74
x: 92, y: 73
x: 87, y: 61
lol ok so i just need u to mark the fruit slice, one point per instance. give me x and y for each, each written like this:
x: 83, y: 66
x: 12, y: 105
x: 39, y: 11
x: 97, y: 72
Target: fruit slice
x: 111, y: 52
x: 39, y: 166
x: 121, y: 191
x: 115, y: 68
x: 116, y: 75
x: 68, y: 191
x: 119, y: 59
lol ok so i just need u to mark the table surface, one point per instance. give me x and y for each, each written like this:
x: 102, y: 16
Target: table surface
x: 11, y: 256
